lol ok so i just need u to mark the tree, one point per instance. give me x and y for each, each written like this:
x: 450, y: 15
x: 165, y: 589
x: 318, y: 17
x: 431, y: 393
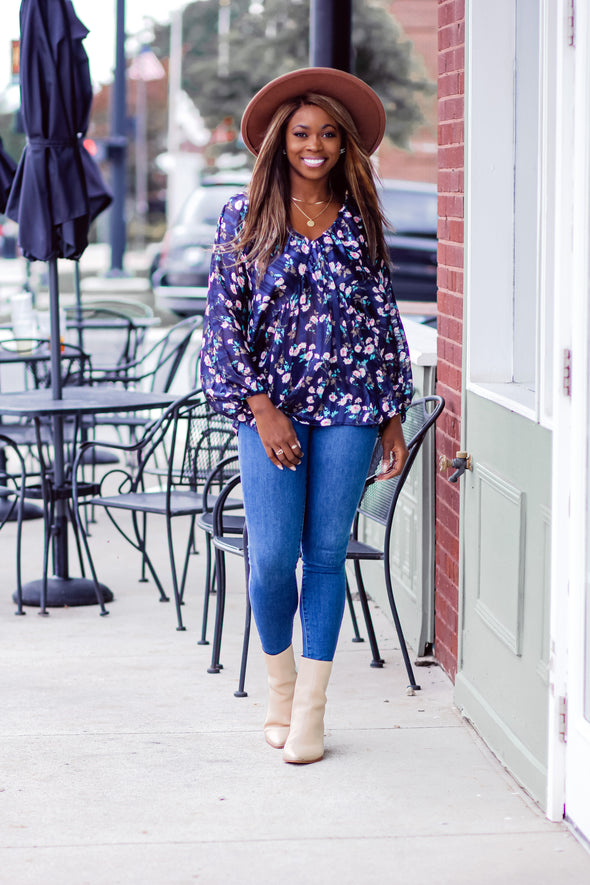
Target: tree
x: 266, y: 40
x: 14, y: 141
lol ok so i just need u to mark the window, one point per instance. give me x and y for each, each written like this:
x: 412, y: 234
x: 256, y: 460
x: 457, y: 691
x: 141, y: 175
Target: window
x: 505, y: 357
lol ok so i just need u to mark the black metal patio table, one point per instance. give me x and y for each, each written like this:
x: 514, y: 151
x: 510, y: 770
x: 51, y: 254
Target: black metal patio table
x: 77, y: 402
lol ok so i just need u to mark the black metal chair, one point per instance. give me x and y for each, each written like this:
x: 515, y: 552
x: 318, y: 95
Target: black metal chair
x: 157, y: 367
x: 110, y: 335
x: 225, y: 470
x: 155, y: 371
x: 378, y: 505
x: 227, y: 537
x: 194, y: 439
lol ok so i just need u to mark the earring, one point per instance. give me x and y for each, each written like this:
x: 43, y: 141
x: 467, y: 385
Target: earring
x: 342, y: 150
x: 284, y: 152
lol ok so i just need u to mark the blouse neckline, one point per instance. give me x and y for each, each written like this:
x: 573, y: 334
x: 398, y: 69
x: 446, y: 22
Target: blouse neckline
x: 295, y: 233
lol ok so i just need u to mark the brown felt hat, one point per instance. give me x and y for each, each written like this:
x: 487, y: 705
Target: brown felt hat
x: 362, y: 103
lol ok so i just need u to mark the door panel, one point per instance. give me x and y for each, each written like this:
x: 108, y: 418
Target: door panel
x: 502, y: 679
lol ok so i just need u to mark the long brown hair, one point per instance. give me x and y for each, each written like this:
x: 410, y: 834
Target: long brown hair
x: 266, y: 226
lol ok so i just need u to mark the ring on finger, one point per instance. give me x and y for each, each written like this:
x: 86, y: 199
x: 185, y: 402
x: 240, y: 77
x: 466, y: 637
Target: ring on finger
x: 295, y: 446
x: 279, y: 452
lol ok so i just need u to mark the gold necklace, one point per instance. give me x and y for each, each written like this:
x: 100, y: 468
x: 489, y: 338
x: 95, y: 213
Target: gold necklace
x: 311, y: 221
x: 309, y: 203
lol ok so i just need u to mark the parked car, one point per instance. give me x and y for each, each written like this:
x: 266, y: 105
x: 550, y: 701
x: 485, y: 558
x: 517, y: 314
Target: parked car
x: 181, y: 267
x: 411, y: 210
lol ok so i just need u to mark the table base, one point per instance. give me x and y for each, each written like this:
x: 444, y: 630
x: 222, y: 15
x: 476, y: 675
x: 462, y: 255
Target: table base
x: 63, y: 592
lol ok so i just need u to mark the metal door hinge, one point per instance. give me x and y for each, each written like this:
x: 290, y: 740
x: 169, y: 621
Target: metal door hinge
x: 571, y: 24
x: 567, y: 372
x: 562, y: 718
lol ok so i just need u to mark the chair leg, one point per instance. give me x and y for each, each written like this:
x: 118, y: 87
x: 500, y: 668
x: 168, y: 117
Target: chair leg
x: 81, y: 534
x: 48, y: 527
x: 219, y: 612
x: 377, y: 659
x: 400, y: 634
x: 19, y: 532
x: 74, y: 524
x: 355, y: 626
x: 209, y: 578
x: 143, y: 577
x: 175, y: 588
x: 241, y: 693
x: 145, y: 559
x: 187, y: 555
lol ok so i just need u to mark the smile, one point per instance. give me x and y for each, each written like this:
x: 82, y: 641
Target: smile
x: 309, y: 161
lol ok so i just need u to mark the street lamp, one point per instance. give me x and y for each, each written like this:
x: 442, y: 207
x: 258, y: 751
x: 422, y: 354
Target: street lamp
x: 144, y: 68
x: 118, y: 147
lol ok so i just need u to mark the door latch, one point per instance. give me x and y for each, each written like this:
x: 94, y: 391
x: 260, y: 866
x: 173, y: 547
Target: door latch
x: 461, y: 462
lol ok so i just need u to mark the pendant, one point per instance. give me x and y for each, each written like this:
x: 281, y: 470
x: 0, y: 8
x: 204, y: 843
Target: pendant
x: 310, y: 223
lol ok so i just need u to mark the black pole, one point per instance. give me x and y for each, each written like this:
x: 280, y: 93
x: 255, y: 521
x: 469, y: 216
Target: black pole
x: 330, y: 27
x: 118, y: 147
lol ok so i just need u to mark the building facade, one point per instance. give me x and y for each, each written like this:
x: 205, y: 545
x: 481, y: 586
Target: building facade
x: 512, y: 597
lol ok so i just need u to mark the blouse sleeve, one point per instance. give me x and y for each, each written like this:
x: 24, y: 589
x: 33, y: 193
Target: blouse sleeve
x: 228, y: 375
x: 396, y: 351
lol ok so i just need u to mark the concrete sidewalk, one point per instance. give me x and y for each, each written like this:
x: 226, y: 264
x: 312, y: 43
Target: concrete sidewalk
x: 124, y: 761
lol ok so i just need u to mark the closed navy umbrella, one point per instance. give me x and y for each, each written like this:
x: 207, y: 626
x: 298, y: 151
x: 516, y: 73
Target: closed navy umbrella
x: 7, y: 170
x: 58, y: 189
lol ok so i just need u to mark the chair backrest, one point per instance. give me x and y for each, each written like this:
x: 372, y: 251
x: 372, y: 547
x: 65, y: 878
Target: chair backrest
x: 227, y: 468
x: 158, y: 366
x: 75, y: 365
x: 126, y: 306
x: 167, y: 355
x: 380, y: 497
x: 111, y: 336
x: 195, y: 441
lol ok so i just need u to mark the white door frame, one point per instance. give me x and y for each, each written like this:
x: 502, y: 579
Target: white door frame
x: 568, y: 176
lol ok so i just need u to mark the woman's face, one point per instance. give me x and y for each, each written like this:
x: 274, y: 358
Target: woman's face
x: 312, y: 143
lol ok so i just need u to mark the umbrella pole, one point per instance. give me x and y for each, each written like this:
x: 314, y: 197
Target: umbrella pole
x: 60, y: 528
x: 78, y: 292
x: 55, y: 333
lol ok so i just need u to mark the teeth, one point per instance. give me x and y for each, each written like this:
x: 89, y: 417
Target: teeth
x: 309, y: 162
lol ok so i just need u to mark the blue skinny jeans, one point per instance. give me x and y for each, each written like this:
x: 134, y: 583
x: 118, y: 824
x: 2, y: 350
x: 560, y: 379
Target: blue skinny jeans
x: 305, y: 513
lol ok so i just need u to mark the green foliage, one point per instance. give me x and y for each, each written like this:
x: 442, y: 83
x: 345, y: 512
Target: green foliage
x: 274, y: 41
x: 13, y: 142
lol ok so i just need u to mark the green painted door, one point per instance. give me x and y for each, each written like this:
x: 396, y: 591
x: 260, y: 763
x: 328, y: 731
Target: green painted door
x: 504, y: 584
x: 502, y: 682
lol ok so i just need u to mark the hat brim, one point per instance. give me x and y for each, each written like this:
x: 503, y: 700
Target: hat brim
x: 362, y: 103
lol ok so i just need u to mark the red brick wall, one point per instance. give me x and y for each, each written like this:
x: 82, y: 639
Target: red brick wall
x: 451, y: 71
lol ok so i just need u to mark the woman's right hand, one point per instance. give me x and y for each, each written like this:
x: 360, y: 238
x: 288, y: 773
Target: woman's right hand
x: 276, y: 432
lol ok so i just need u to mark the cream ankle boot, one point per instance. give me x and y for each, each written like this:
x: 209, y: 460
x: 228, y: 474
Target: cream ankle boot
x: 306, y: 736
x: 281, y: 685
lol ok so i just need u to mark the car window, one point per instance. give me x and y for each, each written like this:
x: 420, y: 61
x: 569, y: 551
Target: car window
x: 410, y: 212
x: 205, y: 204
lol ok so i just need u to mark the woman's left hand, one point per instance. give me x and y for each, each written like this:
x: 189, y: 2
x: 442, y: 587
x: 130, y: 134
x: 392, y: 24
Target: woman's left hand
x: 395, y: 450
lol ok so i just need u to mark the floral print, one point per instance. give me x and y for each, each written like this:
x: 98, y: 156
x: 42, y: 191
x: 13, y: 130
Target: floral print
x: 320, y: 333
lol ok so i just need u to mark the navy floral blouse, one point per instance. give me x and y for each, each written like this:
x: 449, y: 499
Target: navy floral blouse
x: 320, y: 333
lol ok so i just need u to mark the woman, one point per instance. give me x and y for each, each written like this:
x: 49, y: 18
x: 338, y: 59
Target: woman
x: 305, y: 349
